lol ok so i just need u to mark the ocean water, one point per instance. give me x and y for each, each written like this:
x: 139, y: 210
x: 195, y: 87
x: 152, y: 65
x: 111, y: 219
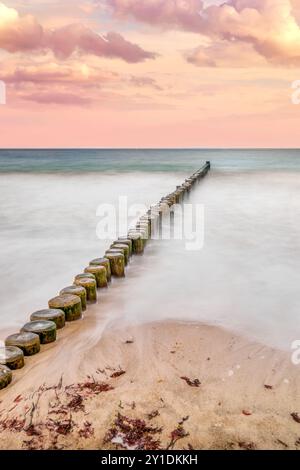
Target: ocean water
x: 245, y: 278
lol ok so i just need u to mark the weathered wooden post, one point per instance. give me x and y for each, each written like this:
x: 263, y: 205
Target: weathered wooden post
x: 123, y: 248
x: 51, y: 314
x: 11, y: 357
x: 70, y: 304
x: 137, y: 242
x: 126, y: 241
x: 99, y: 273
x: 76, y: 290
x: 29, y: 343
x: 44, y: 328
x: 102, y: 262
x: 5, y: 377
x: 117, y: 263
x: 90, y: 286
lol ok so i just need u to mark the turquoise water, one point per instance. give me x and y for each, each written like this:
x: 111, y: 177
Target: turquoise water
x: 245, y: 278
x: 172, y: 160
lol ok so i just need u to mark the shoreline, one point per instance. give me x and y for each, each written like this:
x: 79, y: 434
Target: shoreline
x: 197, y: 385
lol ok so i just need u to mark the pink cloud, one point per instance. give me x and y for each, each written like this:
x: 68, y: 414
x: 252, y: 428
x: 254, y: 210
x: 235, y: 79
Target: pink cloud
x: 24, y: 33
x: 57, y: 98
x: 69, y: 84
x: 270, y: 26
x: 226, y: 54
x: 53, y: 74
x: 178, y: 13
x: 145, y: 82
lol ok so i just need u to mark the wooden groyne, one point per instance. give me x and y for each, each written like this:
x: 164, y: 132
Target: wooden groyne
x: 74, y: 299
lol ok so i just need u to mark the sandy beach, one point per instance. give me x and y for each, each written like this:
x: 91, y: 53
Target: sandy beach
x: 164, y: 385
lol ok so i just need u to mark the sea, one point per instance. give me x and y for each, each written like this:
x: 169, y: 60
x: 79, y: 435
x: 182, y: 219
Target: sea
x: 245, y: 276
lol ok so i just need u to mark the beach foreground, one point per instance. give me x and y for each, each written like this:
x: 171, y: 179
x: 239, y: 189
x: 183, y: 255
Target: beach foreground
x: 161, y: 385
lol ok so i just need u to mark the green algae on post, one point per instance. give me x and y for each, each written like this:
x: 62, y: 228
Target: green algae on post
x: 76, y: 290
x: 116, y: 251
x: 123, y: 248
x: 117, y: 263
x: 44, y: 328
x: 90, y: 286
x: 84, y: 276
x: 102, y: 262
x: 99, y: 273
x: 70, y: 304
x: 12, y: 357
x: 126, y: 241
x: 5, y: 377
x: 142, y: 233
x: 53, y: 314
x: 137, y: 242
x: 29, y: 343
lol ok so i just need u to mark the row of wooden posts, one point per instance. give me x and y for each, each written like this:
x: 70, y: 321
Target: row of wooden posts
x: 73, y: 300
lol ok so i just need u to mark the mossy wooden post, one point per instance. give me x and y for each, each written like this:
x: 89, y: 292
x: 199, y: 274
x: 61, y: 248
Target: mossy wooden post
x: 126, y: 241
x: 187, y: 186
x: 137, y: 242
x: 90, y: 286
x: 102, y: 262
x: 143, y: 233
x: 178, y: 196
x: 145, y: 219
x: 44, y: 328
x: 154, y: 218
x: 29, y: 343
x: 168, y: 199
x: 70, y: 304
x: 84, y: 276
x: 165, y: 206
x: 141, y: 226
x: 76, y: 290
x: 172, y: 198
x: 123, y: 248
x: 99, y: 273
x: 5, y: 377
x: 12, y: 357
x: 51, y: 314
x: 117, y: 264
x: 181, y: 190
x: 116, y: 251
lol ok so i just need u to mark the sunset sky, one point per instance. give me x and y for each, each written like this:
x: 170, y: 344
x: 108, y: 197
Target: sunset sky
x: 149, y: 73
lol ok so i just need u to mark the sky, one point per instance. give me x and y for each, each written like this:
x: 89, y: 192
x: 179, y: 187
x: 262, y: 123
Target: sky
x: 149, y: 73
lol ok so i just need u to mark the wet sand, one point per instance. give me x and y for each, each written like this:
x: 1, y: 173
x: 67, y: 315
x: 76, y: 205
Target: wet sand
x: 158, y: 385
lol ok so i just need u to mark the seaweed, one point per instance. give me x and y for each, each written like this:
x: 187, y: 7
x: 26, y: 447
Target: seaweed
x: 268, y: 387
x: 12, y: 424
x: 76, y: 404
x: 176, y: 435
x: 88, y: 388
x: 63, y: 427
x: 153, y: 414
x: 246, y: 445
x: 190, y: 382
x: 247, y: 412
x: 87, y: 430
x: 296, y: 417
x: 284, y: 444
x: 58, y: 421
x: 131, y: 433
x: 118, y: 373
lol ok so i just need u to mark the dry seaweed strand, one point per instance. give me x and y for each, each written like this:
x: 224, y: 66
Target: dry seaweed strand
x: 133, y: 433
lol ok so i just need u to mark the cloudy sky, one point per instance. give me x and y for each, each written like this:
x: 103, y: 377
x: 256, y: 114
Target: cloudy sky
x: 149, y: 73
